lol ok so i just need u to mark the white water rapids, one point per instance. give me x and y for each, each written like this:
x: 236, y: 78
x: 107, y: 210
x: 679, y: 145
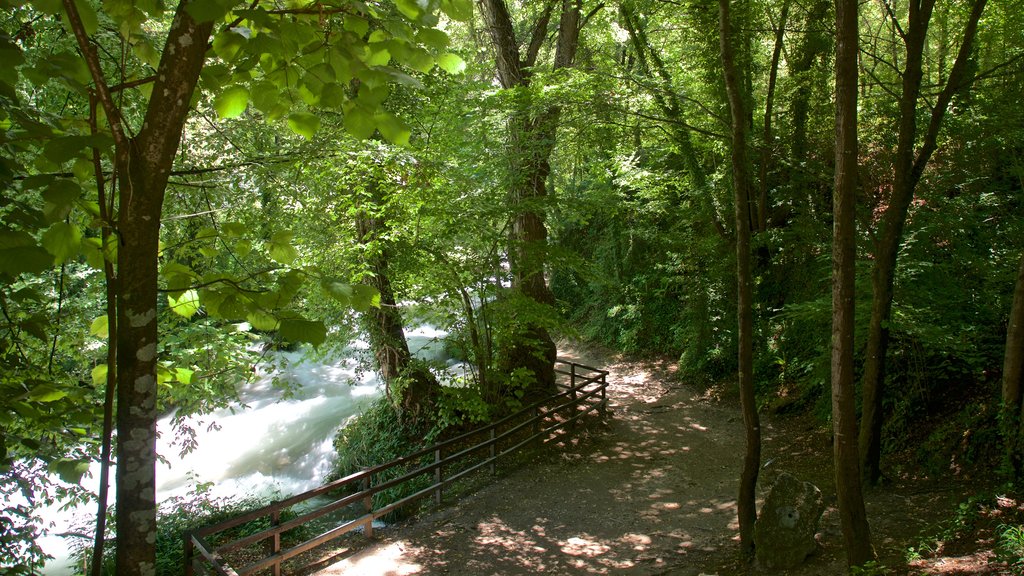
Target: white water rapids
x: 272, y: 447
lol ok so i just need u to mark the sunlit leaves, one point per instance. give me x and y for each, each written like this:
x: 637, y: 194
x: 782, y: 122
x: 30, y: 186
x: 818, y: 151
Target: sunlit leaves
x: 280, y: 247
x: 451, y: 63
x: 228, y: 43
x: 45, y: 392
x: 100, y: 327
x: 99, y: 375
x: 186, y: 304
x: 304, y: 124
x: 232, y: 101
x: 62, y: 240
x: 460, y: 10
x: 393, y: 129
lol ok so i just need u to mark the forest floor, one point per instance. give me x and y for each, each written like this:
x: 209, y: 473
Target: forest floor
x: 652, y: 491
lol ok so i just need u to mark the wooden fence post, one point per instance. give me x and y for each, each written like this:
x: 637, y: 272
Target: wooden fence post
x: 437, y: 476
x: 190, y: 552
x: 368, y: 506
x: 493, y: 452
x: 604, y: 395
x: 275, y: 541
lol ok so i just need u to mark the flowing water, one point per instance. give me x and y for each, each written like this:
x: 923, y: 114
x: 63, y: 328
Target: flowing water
x: 272, y: 446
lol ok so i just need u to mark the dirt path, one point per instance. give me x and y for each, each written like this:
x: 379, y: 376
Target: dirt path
x: 652, y: 491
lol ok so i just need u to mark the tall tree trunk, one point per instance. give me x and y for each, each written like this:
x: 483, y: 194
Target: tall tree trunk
x: 849, y: 493
x: 746, y: 506
x: 907, y: 171
x: 143, y: 164
x: 417, y: 388
x: 1013, y: 380
x: 531, y: 137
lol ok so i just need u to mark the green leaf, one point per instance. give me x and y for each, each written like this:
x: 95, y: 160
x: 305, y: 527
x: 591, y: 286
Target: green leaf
x: 280, y: 247
x: 183, y: 375
x: 451, y: 63
x: 100, y: 327
x: 62, y: 149
x: 99, y: 375
x: 232, y: 101
x: 233, y: 229
x: 63, y: 240
x: 185, y: 305
x: 69, y: 470
x: 460, y: 10
x: 359, y: 122
x: 364, y: 297
x: 377, y: 56
x: 433, y: 37
x: 411, y: 9
x: 262, y: 321
x: 60, y: 196
x: 298, y: 330
x: 243, y: 248
x: 332, y: 95
x: 46, y: 393
x: 29, y: 258
x: 48, y: 6
x: 393, y: 129
x: 420, y: 60
x: 304, y: 124
x: 340, y: 291
x: 228, y: 43
x: 208, y: 10
x: 357, y: 25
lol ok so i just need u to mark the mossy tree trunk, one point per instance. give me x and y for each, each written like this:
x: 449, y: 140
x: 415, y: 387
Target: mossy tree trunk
x: 531, y: 139
x: 408, y: 383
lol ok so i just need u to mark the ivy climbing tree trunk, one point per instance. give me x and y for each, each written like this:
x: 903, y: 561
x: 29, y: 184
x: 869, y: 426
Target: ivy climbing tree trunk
x: 143, y: 164
x: 849, y: 492
x: 1013, y: 380
x: 531, y: 139
x: 415, y: 386
x: 669, y: 99
x: 741, y: 183
x: 908, y: 167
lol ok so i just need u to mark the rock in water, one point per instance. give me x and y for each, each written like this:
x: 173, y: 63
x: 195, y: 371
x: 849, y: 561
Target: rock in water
x: 784, y: 532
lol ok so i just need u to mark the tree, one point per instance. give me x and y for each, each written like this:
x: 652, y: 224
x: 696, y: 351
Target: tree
x: 853, y: 517
x: 410, y: 384
x: 742, y: 188
x: 530, y: 140
x: 908, y: 168
x: 143, y: 156
x: 1012, y: 415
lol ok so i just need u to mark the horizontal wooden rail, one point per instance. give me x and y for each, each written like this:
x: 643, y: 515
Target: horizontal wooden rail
x: 583, y: 394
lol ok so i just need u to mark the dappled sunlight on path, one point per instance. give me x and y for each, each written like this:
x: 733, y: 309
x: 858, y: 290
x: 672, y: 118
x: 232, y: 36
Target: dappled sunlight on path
x: 650, y: 491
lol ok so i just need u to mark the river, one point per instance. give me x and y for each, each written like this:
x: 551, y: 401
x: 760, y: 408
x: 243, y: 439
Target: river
x: 269, y: 446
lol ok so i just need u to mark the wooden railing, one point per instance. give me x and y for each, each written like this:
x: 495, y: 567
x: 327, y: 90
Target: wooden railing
x: 583, y: 391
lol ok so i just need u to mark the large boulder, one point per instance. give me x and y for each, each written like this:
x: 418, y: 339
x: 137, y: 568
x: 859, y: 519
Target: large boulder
x: 784, y: 532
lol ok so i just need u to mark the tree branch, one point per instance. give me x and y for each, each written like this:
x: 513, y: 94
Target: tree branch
x: 96, y: 71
